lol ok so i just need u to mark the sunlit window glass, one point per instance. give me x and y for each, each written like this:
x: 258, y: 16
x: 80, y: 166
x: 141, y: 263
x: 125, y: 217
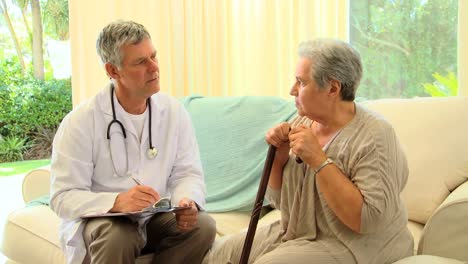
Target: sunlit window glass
x: 408, y: 47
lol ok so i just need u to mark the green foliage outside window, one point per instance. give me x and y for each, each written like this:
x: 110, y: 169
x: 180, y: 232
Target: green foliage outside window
x: 32, y: 101
x: 12, y: 148
x: 442, y: 86
x: 33, y: 104
x: 402, y: 43
x: 31, y: 110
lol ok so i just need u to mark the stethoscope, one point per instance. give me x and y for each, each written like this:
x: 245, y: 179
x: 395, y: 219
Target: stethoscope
x: 152, y: 151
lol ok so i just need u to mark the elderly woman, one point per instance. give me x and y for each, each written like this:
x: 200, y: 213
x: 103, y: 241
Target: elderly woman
x: 341, y: 204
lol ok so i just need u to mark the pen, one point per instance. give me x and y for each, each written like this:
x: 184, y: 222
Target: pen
x: 137, y: 181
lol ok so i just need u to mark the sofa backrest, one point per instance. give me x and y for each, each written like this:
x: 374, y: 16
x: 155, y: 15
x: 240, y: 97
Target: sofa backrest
x: 434, y: 135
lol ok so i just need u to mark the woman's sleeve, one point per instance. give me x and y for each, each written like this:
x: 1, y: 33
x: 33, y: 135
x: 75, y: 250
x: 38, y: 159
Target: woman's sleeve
x: 380, y: 172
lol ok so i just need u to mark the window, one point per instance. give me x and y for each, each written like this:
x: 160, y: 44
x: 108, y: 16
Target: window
x: 408, y: 47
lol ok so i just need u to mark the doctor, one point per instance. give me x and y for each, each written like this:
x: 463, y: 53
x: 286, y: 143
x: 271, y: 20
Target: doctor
x: 120, y: 152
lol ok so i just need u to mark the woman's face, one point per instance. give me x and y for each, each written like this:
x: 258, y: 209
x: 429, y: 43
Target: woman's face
x: 310, y: 100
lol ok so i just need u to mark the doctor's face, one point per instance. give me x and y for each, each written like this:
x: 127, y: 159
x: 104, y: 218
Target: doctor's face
x: 139, y: 72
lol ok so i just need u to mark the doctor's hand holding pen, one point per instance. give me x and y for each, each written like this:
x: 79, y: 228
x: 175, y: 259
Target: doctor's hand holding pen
x: 137, y: 198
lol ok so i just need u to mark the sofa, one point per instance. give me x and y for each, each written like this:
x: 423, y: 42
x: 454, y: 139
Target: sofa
x: 434, y: 135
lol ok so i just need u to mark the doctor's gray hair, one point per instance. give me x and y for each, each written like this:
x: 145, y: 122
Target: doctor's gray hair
x: 114, y: 36
x: 333, y: 60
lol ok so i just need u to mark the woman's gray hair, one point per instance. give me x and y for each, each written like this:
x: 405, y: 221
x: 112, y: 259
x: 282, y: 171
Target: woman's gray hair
x: 333, y: 60
x: 115, y: 35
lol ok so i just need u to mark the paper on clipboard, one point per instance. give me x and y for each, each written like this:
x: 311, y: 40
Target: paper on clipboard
x: 163, y: 205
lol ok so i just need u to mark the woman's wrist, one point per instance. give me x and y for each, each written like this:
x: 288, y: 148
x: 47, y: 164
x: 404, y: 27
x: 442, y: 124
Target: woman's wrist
x: 316, y: 160
x: 322, y: 165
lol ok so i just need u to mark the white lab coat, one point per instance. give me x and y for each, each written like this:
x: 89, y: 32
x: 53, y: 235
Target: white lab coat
x: 83, y: 178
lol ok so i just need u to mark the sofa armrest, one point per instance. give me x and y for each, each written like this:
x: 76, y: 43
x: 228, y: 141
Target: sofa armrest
x: 36, y: 184
x: 446, y: 232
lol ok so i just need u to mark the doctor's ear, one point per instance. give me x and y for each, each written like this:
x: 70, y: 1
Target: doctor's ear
x: 111, y: 70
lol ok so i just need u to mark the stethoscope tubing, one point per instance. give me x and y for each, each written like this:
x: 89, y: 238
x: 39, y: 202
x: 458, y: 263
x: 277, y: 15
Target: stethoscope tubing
x: 151, y: 153
x: 115, y: 120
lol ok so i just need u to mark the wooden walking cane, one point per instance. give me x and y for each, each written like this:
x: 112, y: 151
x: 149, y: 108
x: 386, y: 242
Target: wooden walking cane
x: 258, y: 205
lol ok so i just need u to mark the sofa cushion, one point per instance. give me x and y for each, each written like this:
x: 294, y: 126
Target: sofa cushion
x: 230, y: 222
x: 416, y: 230
x: 426, y: 259
x: 30, y: 227
x: 438, y: 163
x: 446, y: 232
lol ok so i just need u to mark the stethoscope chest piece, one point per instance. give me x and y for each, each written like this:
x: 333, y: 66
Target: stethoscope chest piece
x: 152, y: 153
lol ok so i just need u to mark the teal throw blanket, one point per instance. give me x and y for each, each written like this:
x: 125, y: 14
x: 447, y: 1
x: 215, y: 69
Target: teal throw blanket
x: 231, y: 136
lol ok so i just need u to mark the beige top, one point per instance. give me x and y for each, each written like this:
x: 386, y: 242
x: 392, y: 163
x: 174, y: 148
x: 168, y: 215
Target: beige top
x: 368, y: 152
